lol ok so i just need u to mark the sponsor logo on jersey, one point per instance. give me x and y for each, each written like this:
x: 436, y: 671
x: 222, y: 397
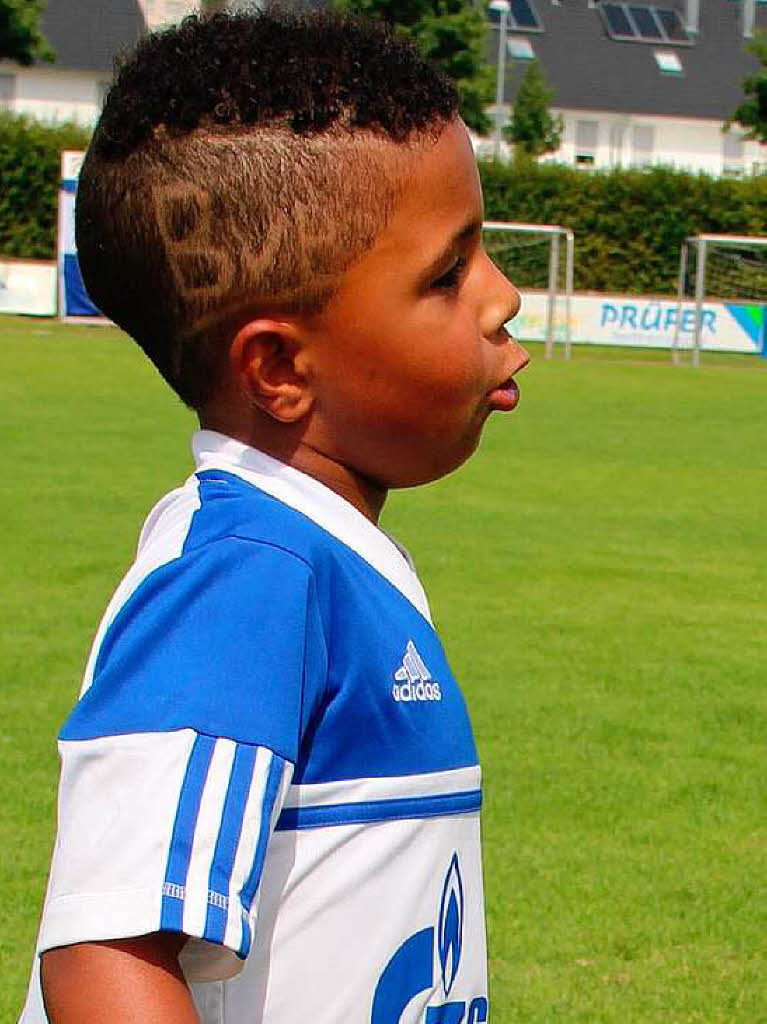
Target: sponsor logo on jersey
x: 412, y: 680
x: 411, y: 970
x: 450, y: 931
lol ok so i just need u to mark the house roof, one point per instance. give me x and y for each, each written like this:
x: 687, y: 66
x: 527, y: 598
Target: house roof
x: 588, y: 69
x: 87, y: 35
x: 591, y: 71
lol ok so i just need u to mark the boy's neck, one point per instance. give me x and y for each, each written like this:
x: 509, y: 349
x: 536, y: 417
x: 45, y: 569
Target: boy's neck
x: 365, y: 495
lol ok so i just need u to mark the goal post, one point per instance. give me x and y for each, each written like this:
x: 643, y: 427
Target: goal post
x: 716, y: 267
x: 540, y: 257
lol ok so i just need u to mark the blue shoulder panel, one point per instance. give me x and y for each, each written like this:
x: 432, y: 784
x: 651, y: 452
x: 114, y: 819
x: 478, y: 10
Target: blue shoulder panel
x: 225, y: 640
x: 270, y: 631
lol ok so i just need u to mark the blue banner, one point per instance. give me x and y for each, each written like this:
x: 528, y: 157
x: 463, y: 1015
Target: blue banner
x: 74, y: 300
x: 77, y: 302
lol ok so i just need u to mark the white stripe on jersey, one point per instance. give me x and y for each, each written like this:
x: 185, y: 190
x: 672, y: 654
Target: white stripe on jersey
x: 205, y: 836
x: 162, y: 540
x: 323, y: 794
x: 246, y: 850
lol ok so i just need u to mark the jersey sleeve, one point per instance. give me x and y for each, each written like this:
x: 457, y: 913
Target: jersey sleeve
x: 177, y: 758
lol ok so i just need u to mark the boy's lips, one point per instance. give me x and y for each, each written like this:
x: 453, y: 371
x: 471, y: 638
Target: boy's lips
x: 505, y: 397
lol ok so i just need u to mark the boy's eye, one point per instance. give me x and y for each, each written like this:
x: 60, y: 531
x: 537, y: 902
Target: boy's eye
x: 452, y: 277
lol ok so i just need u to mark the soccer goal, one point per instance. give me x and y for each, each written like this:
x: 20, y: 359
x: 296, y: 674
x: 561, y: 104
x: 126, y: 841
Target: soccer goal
x: 726, y: 268
x: 538, y: 258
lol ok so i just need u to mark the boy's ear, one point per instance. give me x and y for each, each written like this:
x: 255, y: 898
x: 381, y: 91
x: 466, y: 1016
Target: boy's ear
x: 269, y: 361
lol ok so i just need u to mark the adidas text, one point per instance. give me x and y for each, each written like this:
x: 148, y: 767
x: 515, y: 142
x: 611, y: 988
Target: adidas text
x: 412, y: 680
x: 420, y: 691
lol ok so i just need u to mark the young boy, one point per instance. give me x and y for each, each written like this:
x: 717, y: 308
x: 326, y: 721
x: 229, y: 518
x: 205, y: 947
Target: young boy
x: 269, y: 804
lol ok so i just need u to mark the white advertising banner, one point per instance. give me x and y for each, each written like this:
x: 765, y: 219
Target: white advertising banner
x: 27, y: 288
x: 645, y: 322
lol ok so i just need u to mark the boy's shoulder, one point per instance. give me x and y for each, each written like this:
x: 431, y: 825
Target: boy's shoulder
x: 234, y: 509
x: 234, y: 587
x: 217, y: 513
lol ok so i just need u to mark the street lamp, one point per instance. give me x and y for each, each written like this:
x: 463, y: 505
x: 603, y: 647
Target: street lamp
x: 501, y: 7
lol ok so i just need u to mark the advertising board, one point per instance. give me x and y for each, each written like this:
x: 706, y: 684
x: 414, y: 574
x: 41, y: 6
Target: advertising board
x: 27, y: 287
x: 646, y: 322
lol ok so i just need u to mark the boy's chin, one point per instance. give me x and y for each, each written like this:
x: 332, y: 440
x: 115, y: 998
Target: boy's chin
x: 416, y: 476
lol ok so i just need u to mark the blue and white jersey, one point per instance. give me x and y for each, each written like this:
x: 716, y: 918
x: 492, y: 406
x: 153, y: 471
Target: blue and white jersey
x: 271, y: 755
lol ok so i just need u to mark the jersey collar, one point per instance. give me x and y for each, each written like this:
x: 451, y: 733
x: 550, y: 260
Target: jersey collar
x: 316, y: 501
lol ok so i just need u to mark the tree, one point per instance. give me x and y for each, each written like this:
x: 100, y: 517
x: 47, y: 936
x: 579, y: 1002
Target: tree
x: 20, y: 37
x: 752, y: 113
x: 451, y: 33
x: 534, y: 130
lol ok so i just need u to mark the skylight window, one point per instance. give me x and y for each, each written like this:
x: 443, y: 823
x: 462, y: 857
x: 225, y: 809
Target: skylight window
x: 647, y: 26
x: 522, y: 16
x: 618, y: 24
x: 671, y: 24
x: 668, y: 62
x: 643, y: 23
x: 520, y: 48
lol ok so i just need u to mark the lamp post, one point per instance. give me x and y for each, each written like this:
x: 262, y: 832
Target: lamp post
x: 502, y: 8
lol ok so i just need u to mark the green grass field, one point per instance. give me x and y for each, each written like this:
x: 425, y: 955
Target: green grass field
x: 598, y: 574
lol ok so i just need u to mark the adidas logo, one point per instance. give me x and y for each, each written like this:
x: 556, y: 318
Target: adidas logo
x: 412, y: 680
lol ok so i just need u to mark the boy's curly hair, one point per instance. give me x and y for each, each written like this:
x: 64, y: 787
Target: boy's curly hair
x: 242, y: 162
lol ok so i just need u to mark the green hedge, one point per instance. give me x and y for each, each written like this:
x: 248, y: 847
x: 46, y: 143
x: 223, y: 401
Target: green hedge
x: 629, y: 224
x: 30, y: 165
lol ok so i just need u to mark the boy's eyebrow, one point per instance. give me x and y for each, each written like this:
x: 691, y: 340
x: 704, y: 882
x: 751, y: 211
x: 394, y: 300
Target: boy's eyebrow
x: 469, y: 230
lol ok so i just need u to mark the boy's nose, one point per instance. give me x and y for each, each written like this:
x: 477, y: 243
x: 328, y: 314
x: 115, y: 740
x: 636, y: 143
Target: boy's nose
x: 515, y: 300
x: 502, y: 300
x: 523, y: 356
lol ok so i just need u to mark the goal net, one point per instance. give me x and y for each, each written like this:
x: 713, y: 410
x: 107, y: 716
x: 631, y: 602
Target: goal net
x: 538, y: 259
x: 721, y: 268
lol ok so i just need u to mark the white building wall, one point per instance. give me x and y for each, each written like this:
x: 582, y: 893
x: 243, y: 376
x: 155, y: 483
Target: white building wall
x: 690, y: 144
x: 53, y: 94
x: 163, y: 12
